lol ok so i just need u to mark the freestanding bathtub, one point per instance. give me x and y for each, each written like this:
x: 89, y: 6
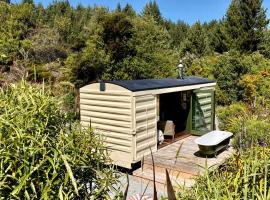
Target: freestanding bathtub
x: 213, y: 142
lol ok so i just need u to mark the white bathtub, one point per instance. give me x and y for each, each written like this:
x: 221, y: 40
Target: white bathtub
x: 214, y: 141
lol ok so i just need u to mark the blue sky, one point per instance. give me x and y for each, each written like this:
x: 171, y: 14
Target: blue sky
x: 189, y: 11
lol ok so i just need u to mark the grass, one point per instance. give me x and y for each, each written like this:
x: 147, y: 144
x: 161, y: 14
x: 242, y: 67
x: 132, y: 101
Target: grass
x: 45, y: 156
x: 244, y: 176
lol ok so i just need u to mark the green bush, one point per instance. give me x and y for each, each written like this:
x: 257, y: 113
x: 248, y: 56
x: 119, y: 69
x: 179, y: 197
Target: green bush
x: 244, y: 176
x: 253, y: 132
x: 42, y: 155
x: 230, y: 117
x: 250, y: 128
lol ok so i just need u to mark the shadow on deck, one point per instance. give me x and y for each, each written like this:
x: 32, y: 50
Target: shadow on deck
x: 183, y: 168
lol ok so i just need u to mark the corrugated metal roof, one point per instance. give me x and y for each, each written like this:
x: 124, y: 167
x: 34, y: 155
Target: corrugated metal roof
x: 151, y: 84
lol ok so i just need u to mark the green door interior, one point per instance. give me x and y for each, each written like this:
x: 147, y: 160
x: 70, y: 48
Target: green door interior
x: 203, y: 111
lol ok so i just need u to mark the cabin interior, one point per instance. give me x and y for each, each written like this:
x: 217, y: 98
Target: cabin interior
x: 173, y: 110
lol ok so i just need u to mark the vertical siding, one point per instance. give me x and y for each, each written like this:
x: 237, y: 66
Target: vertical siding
x: 109, y: 113
x: 146, y: 125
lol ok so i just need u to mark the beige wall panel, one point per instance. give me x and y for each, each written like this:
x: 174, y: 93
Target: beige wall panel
x: 106, y: 122
x: 111, y: 134
x: 146, y: 117
x: 120, y: 142
x: 104, y: 103
x: 103, y: 127
x: 144, y: 149
x: 140, y: 104
x: 104, y: 115
x: 146, y: 125
x: 142, y: 108
x: 118, y: 111
x: 121, y: 158
x: 110, y: 115
x: 143, y: 99
x: 143, y: 137
x: 109, y: 98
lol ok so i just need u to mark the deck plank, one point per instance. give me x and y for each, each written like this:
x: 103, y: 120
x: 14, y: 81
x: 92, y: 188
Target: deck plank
x: 183, y: 169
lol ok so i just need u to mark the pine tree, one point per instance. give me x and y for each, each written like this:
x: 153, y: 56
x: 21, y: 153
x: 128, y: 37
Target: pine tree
x: 28, y: 1
x: 245, y: 22
x: 118, y: 8
x: 7, y: 1
x: 216, y: 36
x: 129, y: 10
x: 195, y: 41
x: 152, y: 9
x: 178, y: 32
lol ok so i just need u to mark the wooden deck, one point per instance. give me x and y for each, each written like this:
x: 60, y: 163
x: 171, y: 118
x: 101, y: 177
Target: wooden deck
x: 184, y: 167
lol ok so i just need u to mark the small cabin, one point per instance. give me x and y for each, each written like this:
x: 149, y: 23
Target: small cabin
x: 129, y: 113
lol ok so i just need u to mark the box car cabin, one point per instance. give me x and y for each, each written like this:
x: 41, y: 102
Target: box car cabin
x: 128, y: 113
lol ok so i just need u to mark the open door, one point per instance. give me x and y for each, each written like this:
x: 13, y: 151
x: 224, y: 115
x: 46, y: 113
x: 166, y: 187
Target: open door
x: 203, y: 111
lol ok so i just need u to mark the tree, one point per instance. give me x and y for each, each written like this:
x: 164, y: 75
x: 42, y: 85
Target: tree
x: 245, y: 22
x: 28, y: 1
x: 88, y: 65
x: 265, y: 44
x: 120, y: 47
x: 117, y: 30
x: 6, y: 1
x: 195, y: 42
x: 152, y: 55
x: 217, y: 39
x: 152, y: 9
x: 118, y: 7
x: 228, y: 73
x: 128, y: 10
x: 178, y: 32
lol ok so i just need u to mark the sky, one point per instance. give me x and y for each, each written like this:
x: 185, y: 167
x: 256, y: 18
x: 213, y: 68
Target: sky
x: 188, y: 11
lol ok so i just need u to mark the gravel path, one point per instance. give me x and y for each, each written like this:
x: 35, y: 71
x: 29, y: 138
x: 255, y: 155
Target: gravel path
x: 137, y: 187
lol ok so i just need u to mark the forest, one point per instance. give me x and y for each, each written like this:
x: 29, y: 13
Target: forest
x: 48, y: 53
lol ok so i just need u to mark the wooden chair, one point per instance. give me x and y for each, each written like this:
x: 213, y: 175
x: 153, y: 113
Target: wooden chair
x: 167, y: 128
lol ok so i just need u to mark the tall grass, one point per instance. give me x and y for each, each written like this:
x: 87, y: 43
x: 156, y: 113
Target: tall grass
x: 244, y: 176
x: 42, y: 155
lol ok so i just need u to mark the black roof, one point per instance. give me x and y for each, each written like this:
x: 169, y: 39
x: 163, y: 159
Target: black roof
x: 150, y: 84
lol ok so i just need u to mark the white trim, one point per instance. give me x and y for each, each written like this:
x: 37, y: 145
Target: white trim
x: 173, y: 89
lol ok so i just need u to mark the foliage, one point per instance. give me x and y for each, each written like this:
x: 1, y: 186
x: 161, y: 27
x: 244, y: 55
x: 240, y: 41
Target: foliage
x: 239, y: 77
x: 204, y: 66
x: 244, y: 176
x: 195, y: 41
x: 245, y: 23
x: 251, y: 126
x: 178, y: 32
x: 43, y: 156
x: 231, y: 117
x: 152, y: 9
x: 228, y: 73
x: 128, y: 48
x: 46, y: 46
x: 217, y: 39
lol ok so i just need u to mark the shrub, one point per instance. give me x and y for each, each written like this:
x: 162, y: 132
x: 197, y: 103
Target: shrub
x: 230, y: 117
x: 249, y: 128
x: 253, y: 132
x: 44, y: 157
x: 244, y: 176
